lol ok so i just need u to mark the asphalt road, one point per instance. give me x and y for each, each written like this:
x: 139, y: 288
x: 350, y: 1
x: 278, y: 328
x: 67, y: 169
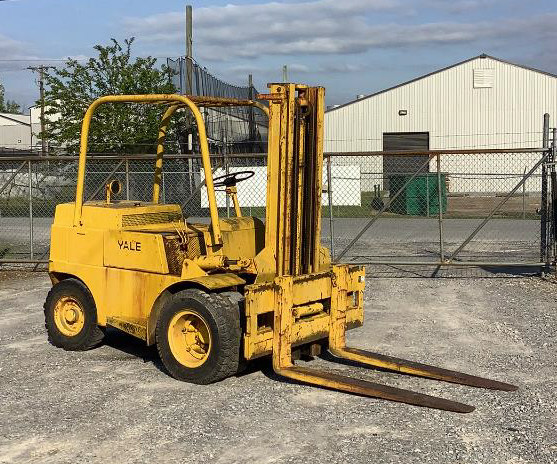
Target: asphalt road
x: 393, y: 238
x: 116, y: 403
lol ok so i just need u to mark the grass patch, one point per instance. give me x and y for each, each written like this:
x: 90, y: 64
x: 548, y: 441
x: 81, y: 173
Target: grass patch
x: 19, y: 207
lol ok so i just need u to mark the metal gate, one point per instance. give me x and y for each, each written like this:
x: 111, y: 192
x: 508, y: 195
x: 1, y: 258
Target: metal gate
x: 491, y: 208
x: 487, y: 208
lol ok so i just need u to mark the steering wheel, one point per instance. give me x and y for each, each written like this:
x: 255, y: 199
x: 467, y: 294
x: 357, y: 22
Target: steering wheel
x: 231, y: 179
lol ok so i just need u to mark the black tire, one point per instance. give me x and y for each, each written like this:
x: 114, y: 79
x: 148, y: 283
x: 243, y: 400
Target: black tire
x: 223, y: 321
x: 238, y: 300
x: 90, y: 334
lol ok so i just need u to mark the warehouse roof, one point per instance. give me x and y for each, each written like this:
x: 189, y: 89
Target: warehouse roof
x: 13, y: 119
x: 483, y: 55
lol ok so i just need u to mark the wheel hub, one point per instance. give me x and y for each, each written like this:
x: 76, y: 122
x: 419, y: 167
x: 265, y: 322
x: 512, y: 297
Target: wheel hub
x: 189, y: 338
x: 69, y: 316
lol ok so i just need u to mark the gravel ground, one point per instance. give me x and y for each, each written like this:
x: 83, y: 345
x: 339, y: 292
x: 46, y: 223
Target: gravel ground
x: 115, y: 403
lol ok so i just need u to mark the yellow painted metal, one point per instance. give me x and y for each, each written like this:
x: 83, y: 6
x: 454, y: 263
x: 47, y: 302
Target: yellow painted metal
x: 286, y: 188
x: 339, y: 301
x: 160, y: 151
x: 135, y: 250
x: 208, y: 263
x: 172, y: 98
x: 283, y: 321
x: 307, y: 310
x: 112, y: 187
x: 134, y: 326
x: 317, y: 99
x: 118, y: 249
x: 283, y: 342
x: 276, y: 141
x: 243, y: 237
x: 189, y: 338
x: 217, y: 281
x: 233, y: 192
x: 293, y: 213
x: 68, y: 316
x: 308, y: 293
x: 301, y: 139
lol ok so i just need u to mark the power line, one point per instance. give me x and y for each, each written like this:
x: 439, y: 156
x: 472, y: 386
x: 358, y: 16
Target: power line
x: 43, y: 60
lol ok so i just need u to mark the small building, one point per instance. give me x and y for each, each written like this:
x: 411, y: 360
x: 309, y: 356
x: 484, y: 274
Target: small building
x: 481, y: 103
x: 18, y: 132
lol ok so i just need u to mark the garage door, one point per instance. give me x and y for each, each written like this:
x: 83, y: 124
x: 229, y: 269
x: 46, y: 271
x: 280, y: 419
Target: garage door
x: 397, y: 141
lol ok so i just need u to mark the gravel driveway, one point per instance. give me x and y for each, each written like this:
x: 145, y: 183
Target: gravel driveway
x: 115, y: 403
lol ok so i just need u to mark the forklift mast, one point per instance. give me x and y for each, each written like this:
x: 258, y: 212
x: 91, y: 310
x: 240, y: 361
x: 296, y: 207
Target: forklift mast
x: 294, y: 179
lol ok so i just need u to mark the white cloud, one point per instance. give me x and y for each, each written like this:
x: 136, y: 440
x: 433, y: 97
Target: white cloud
x: 10, y: 48
x: 328, y: 27
x: 12, y: 51
x: 460, y: 6
x: 268, y: 28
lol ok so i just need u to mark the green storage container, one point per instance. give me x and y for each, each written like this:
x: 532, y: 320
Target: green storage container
x: 420, y: 197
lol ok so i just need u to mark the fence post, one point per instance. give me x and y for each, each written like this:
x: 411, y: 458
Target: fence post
x: 127, y: 179
x: 330, y: 201
x: 226, y: 165
x: 227, y: 171
x: 427, y: 194
x: 163, y: 188
x: 543, y: 205
x: 30, y: 171
x: 524, y: 195
x: 553, y: 214
x: 440, y: 200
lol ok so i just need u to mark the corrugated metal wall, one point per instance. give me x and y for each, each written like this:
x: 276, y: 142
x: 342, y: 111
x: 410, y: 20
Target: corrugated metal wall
x: 456, y: 114
x: 17, y: 136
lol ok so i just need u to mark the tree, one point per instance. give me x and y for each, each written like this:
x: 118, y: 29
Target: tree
x: 115, y: 128
x: 8, y: 106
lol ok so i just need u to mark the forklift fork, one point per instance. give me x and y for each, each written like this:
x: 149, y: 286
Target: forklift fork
x: 283, y: 365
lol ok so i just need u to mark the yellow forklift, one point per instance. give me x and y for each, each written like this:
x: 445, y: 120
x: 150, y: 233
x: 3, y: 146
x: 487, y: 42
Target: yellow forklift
x: 213, y: 296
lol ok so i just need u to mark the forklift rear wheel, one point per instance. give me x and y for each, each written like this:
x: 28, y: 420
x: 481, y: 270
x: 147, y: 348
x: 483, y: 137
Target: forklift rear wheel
x: 198, y: 336
x: 71, y: 316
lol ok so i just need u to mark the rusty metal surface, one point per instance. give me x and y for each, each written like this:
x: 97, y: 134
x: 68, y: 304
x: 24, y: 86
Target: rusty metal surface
x: 468, y: 151
x: 373, y: 390
x: 422, y: 370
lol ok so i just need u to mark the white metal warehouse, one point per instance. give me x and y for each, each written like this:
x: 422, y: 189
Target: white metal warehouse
x: 19, y: 131
x: 483, y: 102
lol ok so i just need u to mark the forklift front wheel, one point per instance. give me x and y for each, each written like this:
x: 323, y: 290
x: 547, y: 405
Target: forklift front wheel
x: 198, y: 336
x: 71, y: 316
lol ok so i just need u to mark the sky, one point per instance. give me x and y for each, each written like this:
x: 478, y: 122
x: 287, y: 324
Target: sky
x: 349, y: 46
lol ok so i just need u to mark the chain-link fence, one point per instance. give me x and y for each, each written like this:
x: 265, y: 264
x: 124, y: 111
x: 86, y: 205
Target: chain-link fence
x: 476, y: 207
x: 234, y: 129
x: 31, y: 187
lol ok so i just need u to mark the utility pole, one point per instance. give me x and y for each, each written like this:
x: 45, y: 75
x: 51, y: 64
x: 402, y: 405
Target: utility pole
x: 41, y: 69
x: 43, y: 122
x: 251, y: 116
x: 189, y: 50
x: 189, y: 91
